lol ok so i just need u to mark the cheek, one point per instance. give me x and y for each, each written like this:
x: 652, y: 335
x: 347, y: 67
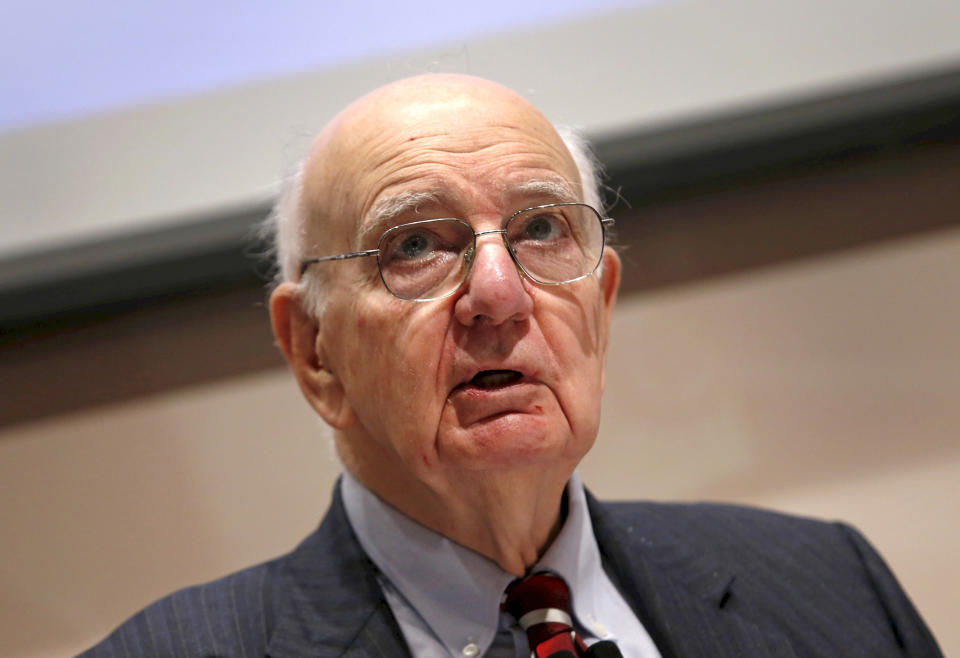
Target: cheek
x: 573, y: 335
x: 391, y: 380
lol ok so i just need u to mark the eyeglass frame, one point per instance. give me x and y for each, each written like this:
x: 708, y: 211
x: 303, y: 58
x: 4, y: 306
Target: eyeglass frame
x: 605, y: 223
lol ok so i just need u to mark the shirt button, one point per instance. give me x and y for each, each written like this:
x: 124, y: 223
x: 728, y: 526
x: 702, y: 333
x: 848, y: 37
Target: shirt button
x: 471, y: 650
x: 601, y: 630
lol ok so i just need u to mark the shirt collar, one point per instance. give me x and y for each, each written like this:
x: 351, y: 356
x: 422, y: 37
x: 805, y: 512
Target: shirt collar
x: 454, y: 589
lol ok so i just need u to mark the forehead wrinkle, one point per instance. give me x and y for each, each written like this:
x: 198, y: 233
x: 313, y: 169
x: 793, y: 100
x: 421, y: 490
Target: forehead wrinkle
x: 490, y: 142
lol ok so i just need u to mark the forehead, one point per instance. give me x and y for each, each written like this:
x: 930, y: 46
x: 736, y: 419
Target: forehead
x: 459, y: 153
x: 463, y: 168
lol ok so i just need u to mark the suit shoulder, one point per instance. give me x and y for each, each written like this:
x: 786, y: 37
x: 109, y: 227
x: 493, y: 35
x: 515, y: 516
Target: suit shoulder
x: 230, y: 616
x: 719, y: 520
x: 779, y: 562
x: 735, y: 535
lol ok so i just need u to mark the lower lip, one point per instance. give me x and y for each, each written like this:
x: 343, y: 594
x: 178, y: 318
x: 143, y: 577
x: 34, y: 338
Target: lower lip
x: 473, y: 404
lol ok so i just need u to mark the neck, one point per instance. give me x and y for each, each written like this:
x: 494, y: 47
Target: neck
x: 498, y: 518
x: 510, y: 516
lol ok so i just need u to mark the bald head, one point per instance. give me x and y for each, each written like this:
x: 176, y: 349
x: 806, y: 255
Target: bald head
x: 414, y: 128
x: 428, y: 104
x: 417, y: 107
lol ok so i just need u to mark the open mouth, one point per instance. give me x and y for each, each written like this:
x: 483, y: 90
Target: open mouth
x: 490, y: 379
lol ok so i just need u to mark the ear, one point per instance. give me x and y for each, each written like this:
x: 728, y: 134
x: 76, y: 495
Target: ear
x: 299, y: 337
x: 610, y: 279
x: 609, y: 285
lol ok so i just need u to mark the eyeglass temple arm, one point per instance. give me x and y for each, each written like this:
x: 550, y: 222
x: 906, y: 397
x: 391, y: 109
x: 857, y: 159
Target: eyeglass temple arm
x: 355, y: 254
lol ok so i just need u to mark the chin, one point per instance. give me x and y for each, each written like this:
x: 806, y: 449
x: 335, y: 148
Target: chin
x: 508, y: 440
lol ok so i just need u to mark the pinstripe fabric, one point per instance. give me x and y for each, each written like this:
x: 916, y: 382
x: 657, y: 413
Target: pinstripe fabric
x: 706, y: 581
x: 719, y: 580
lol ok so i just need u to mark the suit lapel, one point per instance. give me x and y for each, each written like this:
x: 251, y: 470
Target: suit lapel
x: 680, y: 596
x: 329, y: 601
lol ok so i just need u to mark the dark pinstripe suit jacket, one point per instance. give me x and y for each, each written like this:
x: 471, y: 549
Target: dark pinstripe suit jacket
x: 706, y: 580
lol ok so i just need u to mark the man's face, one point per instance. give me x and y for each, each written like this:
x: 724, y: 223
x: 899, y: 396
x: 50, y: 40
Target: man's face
x: 504, y: 373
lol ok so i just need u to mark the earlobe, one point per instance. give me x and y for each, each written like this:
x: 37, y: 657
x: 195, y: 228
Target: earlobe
x: 299, y: 337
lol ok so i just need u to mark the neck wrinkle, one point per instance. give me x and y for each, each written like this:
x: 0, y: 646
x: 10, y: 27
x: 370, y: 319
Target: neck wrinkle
x: 501, y: 516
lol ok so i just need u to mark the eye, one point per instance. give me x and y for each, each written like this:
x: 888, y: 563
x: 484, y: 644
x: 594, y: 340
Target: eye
x: 414, y: 245
x: 410, y: 244
x: 541, y: 227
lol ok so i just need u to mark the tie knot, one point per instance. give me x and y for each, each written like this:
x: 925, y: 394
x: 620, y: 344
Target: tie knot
x: 541, y: 591
x: 541, y: 605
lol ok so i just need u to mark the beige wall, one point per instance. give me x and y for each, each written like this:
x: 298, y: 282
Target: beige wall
x: 826, y: 386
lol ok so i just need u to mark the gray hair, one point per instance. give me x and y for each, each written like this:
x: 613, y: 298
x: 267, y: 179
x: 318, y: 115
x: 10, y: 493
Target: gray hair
x: 285, y: 229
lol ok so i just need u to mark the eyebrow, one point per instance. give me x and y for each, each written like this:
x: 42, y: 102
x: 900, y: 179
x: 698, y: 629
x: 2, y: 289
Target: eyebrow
x: 385, y: 212
x: 556, y: 189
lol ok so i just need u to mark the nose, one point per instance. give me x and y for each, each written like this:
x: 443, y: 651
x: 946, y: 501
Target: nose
x: 494, y: 290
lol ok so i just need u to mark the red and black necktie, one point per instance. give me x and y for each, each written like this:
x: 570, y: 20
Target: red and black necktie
x: 541, y: 605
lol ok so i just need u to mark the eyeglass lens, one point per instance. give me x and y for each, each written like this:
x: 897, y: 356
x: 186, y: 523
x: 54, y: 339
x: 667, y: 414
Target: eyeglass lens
x: 430, y: 259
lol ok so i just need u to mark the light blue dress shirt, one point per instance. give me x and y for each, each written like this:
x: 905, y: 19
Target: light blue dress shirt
x: 446, y: 597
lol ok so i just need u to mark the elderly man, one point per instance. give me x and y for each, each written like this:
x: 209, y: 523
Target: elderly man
x: 445, y: 306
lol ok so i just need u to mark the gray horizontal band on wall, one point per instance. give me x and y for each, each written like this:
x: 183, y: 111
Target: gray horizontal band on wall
x: 646, y: 166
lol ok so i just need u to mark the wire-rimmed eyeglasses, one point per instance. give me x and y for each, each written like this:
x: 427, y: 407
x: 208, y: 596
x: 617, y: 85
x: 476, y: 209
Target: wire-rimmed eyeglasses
x: 430, y: 259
